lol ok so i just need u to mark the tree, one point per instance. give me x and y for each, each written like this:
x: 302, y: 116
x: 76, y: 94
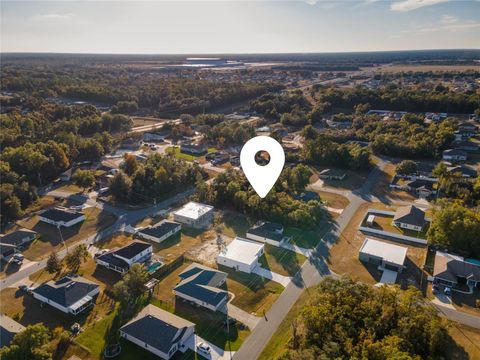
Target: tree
x: 31, y: 343
x: 407, y: 167
x: 75, y: 258
x: 130, y: 164
x: 129, y: 290
x: 120, y: 186
x: 84, y: 178
x: 456, y: 227
x: 348, y: 320
x: 54, y: 264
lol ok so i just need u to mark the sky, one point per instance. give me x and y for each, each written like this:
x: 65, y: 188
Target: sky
x: 182, y: 27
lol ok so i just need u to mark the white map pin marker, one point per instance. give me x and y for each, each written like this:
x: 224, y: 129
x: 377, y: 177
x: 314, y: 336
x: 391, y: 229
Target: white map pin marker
x: 262, y: 178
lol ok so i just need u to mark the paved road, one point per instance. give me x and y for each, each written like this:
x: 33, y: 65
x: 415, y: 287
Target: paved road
x: 311, y: 273
x: 456, y: 315
x: 125, y: 217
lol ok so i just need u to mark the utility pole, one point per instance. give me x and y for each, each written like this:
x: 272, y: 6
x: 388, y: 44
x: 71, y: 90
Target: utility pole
x: 61, y: 238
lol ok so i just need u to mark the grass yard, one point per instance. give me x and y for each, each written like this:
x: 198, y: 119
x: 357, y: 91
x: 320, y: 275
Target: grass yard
x: 279, y: 341
x: 235, y: 224
x: 253, y: 293
x: 309, y: 238
x: 43, y: 203
x: 208, y: 324
x: 334, y: 200
x: 70, y: 188
x: 281, y: 261
x: 383, y: 189
x: 95, y: 337
x: 467, y: 340
x: 353, y: 179
x: 49, y: 237
x: 384, y: 223
x: 179, y: 155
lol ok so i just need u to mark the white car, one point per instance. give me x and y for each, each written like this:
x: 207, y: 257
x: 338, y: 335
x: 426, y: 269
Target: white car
x: 203, y: 348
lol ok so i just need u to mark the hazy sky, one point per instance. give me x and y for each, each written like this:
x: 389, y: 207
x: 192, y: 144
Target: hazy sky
x: 237, y: 26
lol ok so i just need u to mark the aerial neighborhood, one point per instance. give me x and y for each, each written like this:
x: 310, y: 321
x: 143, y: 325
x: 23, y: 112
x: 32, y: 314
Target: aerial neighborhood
x: 130, y: 231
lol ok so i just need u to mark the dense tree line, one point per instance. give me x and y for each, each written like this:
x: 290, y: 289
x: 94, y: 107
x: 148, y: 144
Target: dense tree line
x: 456, y: 186
x: 229, y: 132
x: 348, y: 320
x: 232, y: 188
x: 319, y: 149
x: 402, y: 99
x: 158, y: 177
x: 127, y: 90
x: 456, y: 227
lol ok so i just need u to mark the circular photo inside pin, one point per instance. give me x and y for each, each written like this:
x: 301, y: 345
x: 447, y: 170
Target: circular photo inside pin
x: 262, y: 157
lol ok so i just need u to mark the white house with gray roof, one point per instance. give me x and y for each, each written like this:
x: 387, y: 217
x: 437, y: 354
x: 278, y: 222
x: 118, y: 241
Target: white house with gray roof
x: 8, y: 329
x: 202, y: 285
x: 268, y: 232
x: 61, y: 217
x: 241, y: 254
x: 194, y: 214
x: 159, y: 232
x: 70, y: 294
x: 158, y: 331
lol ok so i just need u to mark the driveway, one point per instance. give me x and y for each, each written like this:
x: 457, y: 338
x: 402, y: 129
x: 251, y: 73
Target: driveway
x: 284, y: 280
x: 297, y: 249
x: 215, y: 352
x: 241, y: 315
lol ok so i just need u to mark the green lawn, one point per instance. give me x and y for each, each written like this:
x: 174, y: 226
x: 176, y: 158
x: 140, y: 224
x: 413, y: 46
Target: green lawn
x: 179, y: 155
x: 281, y: 261
x: 208, y: 324
x: 253, y: 293
x: 95, y: 337
x: 309, y: 238
x: 384, y: 222
x: 235, y: 224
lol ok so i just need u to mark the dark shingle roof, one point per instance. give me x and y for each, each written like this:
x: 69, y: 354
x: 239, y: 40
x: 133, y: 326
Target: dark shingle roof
x: 410, y: 215
x: 132, y: 249
x: 200, y: 282
x: 7, y: 249
x: 66, y: 291
x: 455, y: 152
x: 160, y: 229
x: 8, y: 329
x: 307, y: 196
x: 157, y: 328
x: 113, y: 260
x: 16, y: 237
x: 268, y: 230
x: 448, y: 267
x: 58, y: 214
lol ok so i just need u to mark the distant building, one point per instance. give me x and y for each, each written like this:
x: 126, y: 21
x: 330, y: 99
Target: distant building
x: 160, y: 232
x: 465, y: 145
x: 241, y: 254
x: 18, y: 237
x: 202, y: 286
x: 7, y: 251
x: 452, y: 270
x: 268, y: 232
x: 422, y: 187
x: 122, y: 259
x: 306, y: 196
x: 465, y: 171
x: 195, y: 215
x: 388, y: 256
x: 332, y: 174
x: 8, y: 329
x: 454, y: 155
x: 61, y: 217
x: 70, y: 294
x: 158, y: 331
x: 410, y: 217
x: 193, y: 149
x: 66, y: 175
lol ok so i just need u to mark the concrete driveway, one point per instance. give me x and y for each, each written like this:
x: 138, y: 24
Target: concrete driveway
x: 281, y: 279
x: 215, y: 352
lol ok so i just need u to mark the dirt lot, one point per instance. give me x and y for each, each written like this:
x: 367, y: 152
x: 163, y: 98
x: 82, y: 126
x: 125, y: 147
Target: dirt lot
x: 344, y: 254
x: 383, y: 190
x: 49, y: 236
x: 334, y: 200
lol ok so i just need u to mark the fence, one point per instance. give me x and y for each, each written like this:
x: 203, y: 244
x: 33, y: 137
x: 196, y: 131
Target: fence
x: 169, y: 268
x: 388, y: 234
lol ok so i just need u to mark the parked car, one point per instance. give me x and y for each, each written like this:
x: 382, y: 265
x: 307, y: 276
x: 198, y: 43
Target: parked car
x: 25, y: 288
x: 18, y: 259
x: 447, y: 291
x: 203, y: 348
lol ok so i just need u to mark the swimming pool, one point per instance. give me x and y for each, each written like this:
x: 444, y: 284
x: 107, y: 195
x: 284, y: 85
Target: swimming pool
x: 473, y: 261
x: 154, y: 266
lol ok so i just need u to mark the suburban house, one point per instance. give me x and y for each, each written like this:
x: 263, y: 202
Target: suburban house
x: 70, y: 294
x: 220, y: 158
x: 120, y: 260
x: 410, y: 217
x: 8, y: 329
x: 241, y: 254
x: 332, y: 174
x: 66, y: 175
x: 158, y: 331
x: 201, y: 285
x: 465, y: 171
x: 195, y: 215
x: 61, y: 217
x: 465, y: 145
x: 193, y: 149
x: 268, y: 232
x: 423, y: 188
x: 7, y: 251
x: 454, y: 155
x: 306, y: 196
x: 452, y: 270
x: 390, y: 258
x: 159, y: 232
x: 18, y: 237
x: 155, y: 136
